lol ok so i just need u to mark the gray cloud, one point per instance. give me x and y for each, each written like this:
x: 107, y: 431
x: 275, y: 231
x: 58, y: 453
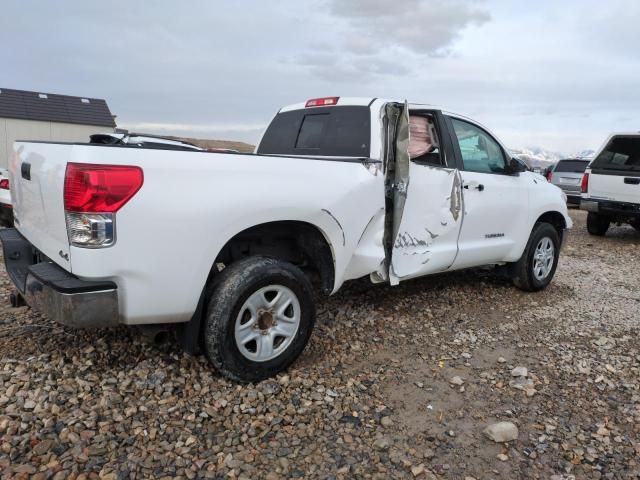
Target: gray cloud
x: 536, y: 73
x: 374, y: 38
x: 425, y: 27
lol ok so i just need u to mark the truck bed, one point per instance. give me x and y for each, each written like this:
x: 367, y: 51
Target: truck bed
x: 190, y: 205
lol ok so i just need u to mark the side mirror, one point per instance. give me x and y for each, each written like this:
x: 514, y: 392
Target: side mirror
x: 517, y: 166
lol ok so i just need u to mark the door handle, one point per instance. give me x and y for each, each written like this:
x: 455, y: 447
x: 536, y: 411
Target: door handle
x: 632, y: 181
x: 474, y: 186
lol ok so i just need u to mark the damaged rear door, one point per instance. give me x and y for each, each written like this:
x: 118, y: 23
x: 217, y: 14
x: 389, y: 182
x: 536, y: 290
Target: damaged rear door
x: 427, y: 203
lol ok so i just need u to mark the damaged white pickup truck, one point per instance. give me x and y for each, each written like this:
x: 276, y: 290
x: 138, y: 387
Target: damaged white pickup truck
x: 338, y: 189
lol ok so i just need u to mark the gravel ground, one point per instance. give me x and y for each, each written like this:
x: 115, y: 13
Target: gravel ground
x: 396, y: 383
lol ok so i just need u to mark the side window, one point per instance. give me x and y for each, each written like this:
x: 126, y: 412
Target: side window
x: 480, y: 152
x: 424, y: 145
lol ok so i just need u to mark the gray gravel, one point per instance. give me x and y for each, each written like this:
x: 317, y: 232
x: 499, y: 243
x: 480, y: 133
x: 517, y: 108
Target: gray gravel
x: 373, y: 395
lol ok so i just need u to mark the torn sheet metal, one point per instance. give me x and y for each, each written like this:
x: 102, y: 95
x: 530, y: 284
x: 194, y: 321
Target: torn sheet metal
x: 456, y: 197
x: 427, y: 235
x: 401, y: 168
x: 369, y: 253
x: 338, y: 223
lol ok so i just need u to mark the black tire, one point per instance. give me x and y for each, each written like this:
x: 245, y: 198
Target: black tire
x: 636, y: 224
x: 523, y: 275
x: 597, y: 224
x: 235, y: 284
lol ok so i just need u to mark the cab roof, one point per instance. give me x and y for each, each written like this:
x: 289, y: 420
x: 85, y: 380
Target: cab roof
x: 356, y: 101
x: 367, y: 102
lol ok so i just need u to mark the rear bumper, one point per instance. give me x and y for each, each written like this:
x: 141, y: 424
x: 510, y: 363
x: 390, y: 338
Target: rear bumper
x: 55, y: 292
x: 618, y: 210
x: 573, y: 198
x: 573, y: 193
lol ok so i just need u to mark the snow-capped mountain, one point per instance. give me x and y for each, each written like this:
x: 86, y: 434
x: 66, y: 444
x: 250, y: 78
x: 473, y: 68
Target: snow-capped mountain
x: 586, y: 154
x: 536, y: 156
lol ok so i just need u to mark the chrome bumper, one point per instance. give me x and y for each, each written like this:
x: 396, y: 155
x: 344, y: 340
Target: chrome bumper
x: 90, y: 309
x: 589, y: 205
x: 55, y: 292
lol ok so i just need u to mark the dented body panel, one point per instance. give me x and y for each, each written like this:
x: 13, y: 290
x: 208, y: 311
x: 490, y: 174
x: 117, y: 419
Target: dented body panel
x: 427, y: 213
x: 427, y: 240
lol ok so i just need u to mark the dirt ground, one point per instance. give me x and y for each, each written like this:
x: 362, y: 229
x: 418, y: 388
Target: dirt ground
x: 397, y: 382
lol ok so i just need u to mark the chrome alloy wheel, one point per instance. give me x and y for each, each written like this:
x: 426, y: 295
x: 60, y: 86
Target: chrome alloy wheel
x: 543, y: 258
x: 267, y: 323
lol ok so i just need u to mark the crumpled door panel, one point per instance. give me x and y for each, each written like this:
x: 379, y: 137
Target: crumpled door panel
x: 427, y: 213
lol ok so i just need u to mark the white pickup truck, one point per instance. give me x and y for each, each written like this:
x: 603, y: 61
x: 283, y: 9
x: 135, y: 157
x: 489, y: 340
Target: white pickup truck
x: 338, y: 189
x: 611, y: 184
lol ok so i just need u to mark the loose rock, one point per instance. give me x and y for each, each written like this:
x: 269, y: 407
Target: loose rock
x: 502, y: 432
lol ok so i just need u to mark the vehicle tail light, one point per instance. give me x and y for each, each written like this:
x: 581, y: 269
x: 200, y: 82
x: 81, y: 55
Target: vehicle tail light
x: 100, y: 188
x: 90, y: 230
x: 584, y: 186
x: 549, y: 176
x: 322, y: 102
x: 4, y: 184
x: 92, y: 196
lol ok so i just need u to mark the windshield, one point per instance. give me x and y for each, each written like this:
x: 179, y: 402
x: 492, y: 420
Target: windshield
x: 573, y: 166
x: 322, y: 131
x: 621, y: 153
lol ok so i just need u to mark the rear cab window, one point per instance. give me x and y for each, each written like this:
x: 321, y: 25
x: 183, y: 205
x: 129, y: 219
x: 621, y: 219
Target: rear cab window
x: 571, y: 166
x: 621, y: 155
x: 336, y: 131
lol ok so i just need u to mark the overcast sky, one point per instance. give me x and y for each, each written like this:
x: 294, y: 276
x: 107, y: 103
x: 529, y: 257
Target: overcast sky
x: 557, y: 75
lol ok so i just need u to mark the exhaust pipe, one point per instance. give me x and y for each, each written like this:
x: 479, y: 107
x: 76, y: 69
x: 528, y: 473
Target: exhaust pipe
x: 157, y: 334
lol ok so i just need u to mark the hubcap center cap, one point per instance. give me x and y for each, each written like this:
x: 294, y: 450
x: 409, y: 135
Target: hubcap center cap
x: 265, y: 320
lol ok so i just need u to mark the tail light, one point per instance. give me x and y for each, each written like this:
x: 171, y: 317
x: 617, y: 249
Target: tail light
x: 92, y: 196
x: 549, y: 176
x: 322, y: 102
x: 4, y: 184
x: 584, y: 186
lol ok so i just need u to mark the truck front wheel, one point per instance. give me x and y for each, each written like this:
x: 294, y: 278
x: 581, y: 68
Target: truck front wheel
x: 259, y: 318
x: 537, y: 266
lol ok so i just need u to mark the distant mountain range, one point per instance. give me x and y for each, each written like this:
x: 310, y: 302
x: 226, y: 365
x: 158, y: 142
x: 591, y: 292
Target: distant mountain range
x: 539, y: 157
x: 209, y: 143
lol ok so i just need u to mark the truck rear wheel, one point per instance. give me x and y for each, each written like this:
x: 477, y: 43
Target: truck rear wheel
x: 537, y: 266
x: 259, y: 318
x: 597, y: 224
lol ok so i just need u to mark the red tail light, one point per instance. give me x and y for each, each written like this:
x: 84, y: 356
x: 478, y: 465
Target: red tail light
x: 584, y: 186
x: 95, y: 188
x: 322, y: 102
x: 549, y: 176
x: 4, y: 184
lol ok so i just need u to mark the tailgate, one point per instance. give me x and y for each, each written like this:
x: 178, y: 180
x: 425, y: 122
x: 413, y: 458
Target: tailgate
x: 36, y: 173
x: 615, y: 172
x: 569, y: 182
x: 619, y: 188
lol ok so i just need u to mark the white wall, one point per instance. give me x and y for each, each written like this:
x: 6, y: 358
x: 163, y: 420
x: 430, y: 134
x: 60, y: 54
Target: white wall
x: 13, y: 129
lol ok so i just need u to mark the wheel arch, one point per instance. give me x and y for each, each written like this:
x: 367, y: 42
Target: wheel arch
x: 554, y: 218
x: 299, y: 242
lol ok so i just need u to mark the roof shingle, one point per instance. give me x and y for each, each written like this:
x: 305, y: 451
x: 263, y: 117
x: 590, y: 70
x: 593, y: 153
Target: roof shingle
x: 49, y: 107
